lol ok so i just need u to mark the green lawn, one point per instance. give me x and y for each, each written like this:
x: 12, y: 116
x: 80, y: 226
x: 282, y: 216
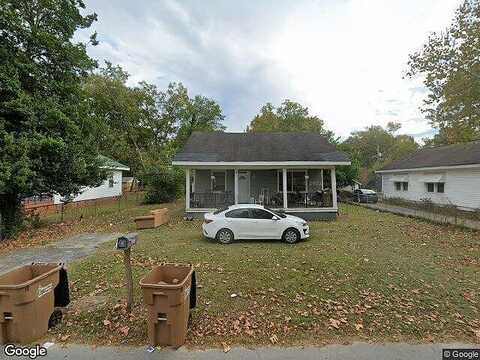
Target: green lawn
x: 367, y: 276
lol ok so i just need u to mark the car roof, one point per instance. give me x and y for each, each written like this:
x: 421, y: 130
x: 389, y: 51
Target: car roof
x: 245, y: 206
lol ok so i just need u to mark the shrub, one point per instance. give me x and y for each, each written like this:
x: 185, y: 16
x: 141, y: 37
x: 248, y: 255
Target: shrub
x: 162, y: 184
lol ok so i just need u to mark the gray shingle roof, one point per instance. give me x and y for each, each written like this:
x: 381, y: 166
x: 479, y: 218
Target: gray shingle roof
x: 449, y: 155
x: 265, y: 146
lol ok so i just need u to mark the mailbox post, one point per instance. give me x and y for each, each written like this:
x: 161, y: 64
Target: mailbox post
x: 125, y: 243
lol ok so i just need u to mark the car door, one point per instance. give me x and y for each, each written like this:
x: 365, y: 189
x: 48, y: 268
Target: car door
x: 239, y: 221
x: 264, y: 227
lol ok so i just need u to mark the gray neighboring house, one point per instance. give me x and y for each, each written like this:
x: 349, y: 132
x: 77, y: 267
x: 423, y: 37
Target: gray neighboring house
x: 293, y: 172
x: 446, y: 175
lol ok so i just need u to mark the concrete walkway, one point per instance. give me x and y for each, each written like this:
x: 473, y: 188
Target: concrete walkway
x: 438, y: 218
x: 75, y: 247
x: 356, y: 351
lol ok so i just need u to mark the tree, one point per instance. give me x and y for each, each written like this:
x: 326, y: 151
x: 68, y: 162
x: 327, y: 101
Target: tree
x: 346, y: 174
x: 189, y: 114
x: 133, y: 131
x: 143, y: 126
x: 46, y: 142
x: 376, y: 146
x: 289, y: 116
x: 450, y: 64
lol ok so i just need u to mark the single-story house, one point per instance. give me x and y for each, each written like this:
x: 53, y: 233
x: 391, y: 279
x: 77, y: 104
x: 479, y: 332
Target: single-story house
x: 293, y: 172
x: 445, y: 175
x: 110, y: 188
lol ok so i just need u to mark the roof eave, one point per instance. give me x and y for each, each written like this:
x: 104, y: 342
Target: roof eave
x: 115, y: 168
x: 427, y: 168
x: 259, y: 163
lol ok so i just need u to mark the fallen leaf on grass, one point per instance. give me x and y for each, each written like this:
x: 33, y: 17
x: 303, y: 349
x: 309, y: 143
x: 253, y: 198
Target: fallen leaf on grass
x: 226, y: 347
x: 334, y: 323
x: 124, y: 330
x: 358, y: 327
x: 273, y: 339
x: 106, y: 322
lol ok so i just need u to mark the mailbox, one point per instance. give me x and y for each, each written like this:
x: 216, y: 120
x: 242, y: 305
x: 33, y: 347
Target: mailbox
x: 126, y: 241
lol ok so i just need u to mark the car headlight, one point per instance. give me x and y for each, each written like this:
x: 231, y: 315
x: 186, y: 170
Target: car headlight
x: 302, y: 223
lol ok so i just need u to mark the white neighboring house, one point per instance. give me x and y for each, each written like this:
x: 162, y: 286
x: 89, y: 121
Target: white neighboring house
x: 446, y: 175
x: 110, y: 188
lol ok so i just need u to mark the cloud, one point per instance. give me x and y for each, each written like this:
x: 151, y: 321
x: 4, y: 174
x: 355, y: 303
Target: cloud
x: 344, y: 59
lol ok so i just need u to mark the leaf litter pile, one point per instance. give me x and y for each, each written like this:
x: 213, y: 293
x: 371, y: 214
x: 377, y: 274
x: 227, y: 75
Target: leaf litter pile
x: 368, y: 276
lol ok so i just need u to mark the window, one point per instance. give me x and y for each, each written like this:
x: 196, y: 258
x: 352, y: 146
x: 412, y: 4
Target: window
x: 218, y: 181
x: 430, y: 187
x: 260, y: 214
x: 238, y: 214
x: 436, y: 187
x: 401, y: 185
x: 111, y: 182
x: 441, y: 187
x: 296, y: 181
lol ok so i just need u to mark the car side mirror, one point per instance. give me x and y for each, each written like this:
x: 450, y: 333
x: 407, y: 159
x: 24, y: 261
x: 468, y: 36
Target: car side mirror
x: 276, y: 218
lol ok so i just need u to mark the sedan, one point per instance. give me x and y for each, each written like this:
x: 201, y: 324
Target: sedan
x: 365, y: 196
x: 249, y: 221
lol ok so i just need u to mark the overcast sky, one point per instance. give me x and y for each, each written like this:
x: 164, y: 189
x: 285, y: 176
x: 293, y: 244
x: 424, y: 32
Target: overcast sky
x: 344, y: 59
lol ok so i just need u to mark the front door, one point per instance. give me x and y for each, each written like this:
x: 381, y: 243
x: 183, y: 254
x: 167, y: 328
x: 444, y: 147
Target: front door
x: 244, y: 187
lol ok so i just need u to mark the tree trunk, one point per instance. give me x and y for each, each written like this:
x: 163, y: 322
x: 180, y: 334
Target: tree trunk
x: 11, y: 215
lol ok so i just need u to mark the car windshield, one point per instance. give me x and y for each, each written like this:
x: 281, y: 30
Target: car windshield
x: 367, y: 191
x: 276, y: 213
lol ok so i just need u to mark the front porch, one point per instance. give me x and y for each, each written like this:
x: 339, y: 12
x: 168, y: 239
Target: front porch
x: 306, y: 192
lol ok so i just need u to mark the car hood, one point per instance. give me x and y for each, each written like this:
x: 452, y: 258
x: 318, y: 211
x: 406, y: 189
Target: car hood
x: 294, y: 218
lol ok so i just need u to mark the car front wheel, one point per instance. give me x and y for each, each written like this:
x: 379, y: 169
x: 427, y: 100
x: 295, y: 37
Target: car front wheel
x: 291, y: 236
x: 224, y: 236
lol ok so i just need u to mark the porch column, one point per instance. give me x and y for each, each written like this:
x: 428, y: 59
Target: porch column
x: 334, y: 188
x: 285, y: 200
x: 236, y: 186
x: 321, y: 179
x: 187, y: 188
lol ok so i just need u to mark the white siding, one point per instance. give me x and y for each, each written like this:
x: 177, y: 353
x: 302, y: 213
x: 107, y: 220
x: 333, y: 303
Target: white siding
x: 462, y: 187
x: 102, y: 191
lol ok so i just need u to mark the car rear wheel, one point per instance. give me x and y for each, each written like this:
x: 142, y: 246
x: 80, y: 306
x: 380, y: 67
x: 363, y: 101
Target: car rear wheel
x: 291, y: 236
x: 224, y: 236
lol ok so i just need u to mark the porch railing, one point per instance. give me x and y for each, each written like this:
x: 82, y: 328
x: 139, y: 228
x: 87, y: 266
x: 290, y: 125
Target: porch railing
x: 211, y: 200
x: 316, y: 199
x: 215, y: 200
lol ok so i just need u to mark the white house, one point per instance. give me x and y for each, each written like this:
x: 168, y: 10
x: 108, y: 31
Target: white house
x: 112, y: 187
x: 446, y: 175
x: 293, y: 172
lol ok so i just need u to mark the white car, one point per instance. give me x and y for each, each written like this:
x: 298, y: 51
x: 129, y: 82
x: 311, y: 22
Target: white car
x: 247, y: 221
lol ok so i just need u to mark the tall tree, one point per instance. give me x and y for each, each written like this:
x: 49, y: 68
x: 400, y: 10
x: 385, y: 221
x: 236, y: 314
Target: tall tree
x: 143, y: 126
x: 133, y: 131
x: 189, y: 114
x: 450, y: 65
x: 376, y: 146
x: 46, y: 143
x: 289, y: 116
